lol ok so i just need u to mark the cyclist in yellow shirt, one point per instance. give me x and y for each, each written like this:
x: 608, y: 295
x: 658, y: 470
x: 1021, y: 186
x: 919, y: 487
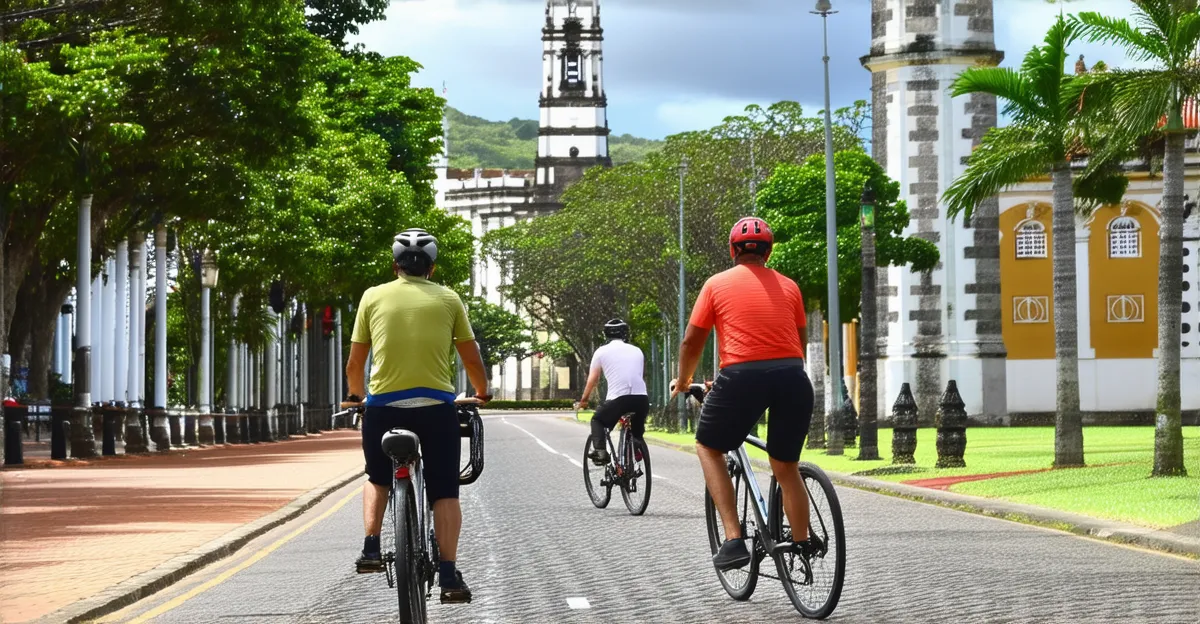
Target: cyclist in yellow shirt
x: 409, y: 325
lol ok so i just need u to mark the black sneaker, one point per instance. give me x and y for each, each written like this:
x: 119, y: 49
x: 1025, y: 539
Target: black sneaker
x: 369, y: 563
x: 458, y: 594
x: 732, y: 555
x: 599, y: 456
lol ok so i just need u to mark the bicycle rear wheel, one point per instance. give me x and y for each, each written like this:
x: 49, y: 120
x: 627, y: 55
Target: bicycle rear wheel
x: 635, y: 488
x: 815, y: 586
x: 596, y: 479
x: 410, y: 582
x: 739, y: 583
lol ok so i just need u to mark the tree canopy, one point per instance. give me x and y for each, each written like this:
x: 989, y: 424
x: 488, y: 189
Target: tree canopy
x: 793, y: 202
x: 613, y: 250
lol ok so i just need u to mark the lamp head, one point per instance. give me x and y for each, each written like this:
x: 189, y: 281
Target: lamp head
x: 823, y: 6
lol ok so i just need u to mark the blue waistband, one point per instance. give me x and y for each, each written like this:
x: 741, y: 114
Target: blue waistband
x: 379, y: 400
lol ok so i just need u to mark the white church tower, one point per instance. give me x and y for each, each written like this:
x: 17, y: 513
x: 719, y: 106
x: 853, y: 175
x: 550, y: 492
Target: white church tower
x: 573, y: 136
x: 945, y: 324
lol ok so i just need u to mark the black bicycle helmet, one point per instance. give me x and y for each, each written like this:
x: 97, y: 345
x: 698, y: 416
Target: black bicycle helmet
x: 616, y: 328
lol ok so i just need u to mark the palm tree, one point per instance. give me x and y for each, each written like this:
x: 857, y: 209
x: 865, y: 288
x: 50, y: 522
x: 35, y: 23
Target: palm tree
x: 1166, y: 34
x: 1046, y: 134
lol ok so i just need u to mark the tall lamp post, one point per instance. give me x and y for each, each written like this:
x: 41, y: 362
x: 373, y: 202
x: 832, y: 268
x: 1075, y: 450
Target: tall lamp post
x: 208, y: 281
x: 868, y: 408
x: 824, y: 9
x: 683, y: 167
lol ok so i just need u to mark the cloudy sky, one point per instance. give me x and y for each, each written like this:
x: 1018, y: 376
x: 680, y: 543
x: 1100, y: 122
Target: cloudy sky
x: 671, y: 65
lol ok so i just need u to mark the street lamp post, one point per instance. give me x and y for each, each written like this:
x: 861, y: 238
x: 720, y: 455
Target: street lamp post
x: 683, y: 167
x: 824, y: 9
x: 868, y: 404
x: 83, y: 440
x: 208, y: 281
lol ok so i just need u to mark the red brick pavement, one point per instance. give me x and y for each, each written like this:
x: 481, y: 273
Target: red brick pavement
x: 70, y: 532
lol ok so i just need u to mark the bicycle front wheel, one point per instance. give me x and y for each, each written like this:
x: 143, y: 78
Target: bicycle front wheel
x: 738, y: 583
x: 596, y: 479
x: 410, y: 585
x: 814, y: 586
x: 635, y: 488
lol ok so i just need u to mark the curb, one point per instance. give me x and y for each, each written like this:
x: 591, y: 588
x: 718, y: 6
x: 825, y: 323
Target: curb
x: 151, y: 581
x: 1076, y: 524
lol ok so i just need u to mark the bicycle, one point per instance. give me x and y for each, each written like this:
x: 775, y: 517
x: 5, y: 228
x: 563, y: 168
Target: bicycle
x: 411, y: 555
x: 627, y: 464
x: 770, y: 534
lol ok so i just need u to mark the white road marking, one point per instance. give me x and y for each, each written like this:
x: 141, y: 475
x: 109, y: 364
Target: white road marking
x: 578, y: 603
x: 546, y: 446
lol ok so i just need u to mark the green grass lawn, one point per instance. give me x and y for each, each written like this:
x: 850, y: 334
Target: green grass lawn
x: 1115, y: 485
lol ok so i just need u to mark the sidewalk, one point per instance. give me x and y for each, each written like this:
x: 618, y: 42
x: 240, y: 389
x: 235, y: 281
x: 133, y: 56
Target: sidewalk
x: 69, y: 533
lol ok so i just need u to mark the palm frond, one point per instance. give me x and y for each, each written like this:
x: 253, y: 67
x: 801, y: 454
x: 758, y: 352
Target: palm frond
x: 1004, y: 157
x: 1112, y: 30
x: 1138, y: 99
x: 1100, y: 185
x: 1010, y: 85
x: 1185, y: 37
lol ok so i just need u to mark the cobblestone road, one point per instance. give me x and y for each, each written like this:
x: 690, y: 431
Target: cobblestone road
x: 532, y: 540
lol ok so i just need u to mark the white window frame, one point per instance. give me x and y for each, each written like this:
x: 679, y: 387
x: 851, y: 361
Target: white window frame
x: 1033, y: 235
x: 1129, y: 230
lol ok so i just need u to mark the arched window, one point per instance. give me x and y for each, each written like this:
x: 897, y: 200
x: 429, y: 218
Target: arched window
x: 1124, y: 238
x: 1031, y: 240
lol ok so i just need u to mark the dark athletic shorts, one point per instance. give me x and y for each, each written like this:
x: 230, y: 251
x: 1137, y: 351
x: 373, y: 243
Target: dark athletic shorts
x: 436, y: 427
x: 740, y: 395
x: 611, y: 411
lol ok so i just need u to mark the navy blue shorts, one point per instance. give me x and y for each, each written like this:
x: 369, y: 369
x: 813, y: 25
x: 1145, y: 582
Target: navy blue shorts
x: 740, y: 395
x: 436, y: 427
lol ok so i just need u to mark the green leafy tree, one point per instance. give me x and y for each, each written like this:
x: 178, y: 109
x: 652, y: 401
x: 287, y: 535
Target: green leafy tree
x: 1049, y: 129
x: 615, y: 245
x: 1166, y: 34
x: 501, y: 334
x: 334, y: 19
x: 793, y: 202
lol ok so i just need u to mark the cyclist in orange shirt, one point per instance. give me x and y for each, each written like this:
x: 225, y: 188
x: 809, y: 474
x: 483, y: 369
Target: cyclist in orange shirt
x: 760, y: 321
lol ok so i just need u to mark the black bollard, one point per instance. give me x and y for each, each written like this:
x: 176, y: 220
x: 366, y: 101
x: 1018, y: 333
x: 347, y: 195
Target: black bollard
x: 951, y: 429
x: 189, y: 429
x: 220, y: 429
x: 110, y: 415
x: 904, y: 427
x: 161, y: 429
x: 14, y: 417
x: 60, y: 431
x: 135, y: 442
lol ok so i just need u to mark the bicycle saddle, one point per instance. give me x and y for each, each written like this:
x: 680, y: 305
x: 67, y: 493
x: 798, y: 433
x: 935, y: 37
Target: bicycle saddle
x: 402, y: 446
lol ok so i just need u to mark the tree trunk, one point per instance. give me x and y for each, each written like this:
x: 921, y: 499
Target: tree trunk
x: 816, y: 369
x: 1068, y: 422
x: 52, y: 292
x: 868, y: 399
x: 1168, y: 424
x: 22, y: 319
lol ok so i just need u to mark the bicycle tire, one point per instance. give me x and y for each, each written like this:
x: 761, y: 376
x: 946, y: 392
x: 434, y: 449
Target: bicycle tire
x: 632, y: 447
x: 599, y: 494
x: 409, y: 565
x: 815, y: 602
x: 735, y: 586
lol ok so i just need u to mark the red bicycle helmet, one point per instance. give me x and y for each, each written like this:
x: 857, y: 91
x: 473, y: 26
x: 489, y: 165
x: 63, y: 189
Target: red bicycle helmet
x: 751, y: 234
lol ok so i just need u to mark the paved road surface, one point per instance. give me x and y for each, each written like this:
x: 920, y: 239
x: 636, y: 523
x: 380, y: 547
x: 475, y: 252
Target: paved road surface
x: 532, y: 540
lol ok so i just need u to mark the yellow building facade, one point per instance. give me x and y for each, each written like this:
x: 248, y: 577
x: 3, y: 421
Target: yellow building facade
x: 1116, y: 277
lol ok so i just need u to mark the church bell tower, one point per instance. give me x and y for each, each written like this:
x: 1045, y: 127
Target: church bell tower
x: 944, y: 324
x: 573, y: 132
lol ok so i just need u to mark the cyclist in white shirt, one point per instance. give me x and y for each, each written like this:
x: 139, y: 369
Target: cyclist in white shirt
x: 622, y: 364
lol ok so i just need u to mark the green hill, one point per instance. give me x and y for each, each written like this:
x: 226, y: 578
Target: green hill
x: 477, y: 142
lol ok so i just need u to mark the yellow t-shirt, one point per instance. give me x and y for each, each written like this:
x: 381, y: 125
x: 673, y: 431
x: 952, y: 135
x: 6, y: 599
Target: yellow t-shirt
x: 411, y: 325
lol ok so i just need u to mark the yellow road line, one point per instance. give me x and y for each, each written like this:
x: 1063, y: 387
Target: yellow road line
x: 226, y: 575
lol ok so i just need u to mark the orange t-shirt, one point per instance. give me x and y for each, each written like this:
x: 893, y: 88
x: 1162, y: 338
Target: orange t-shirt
x: 758, y: 312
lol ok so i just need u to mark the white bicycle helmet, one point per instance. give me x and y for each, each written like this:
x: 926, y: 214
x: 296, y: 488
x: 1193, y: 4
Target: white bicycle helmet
x: 414, y: 240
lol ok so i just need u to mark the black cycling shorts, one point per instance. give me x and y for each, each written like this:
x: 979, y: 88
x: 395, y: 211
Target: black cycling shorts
x: 436, y: 427
x: 611, y: 411
x: 740, y: 395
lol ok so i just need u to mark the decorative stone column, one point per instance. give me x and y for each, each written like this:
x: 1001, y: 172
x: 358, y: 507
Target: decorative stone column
x: 904, y: 427
x: 951, y: 429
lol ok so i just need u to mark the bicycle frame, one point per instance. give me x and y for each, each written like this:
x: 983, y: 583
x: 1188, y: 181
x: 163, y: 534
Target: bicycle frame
x: 761, y: 510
